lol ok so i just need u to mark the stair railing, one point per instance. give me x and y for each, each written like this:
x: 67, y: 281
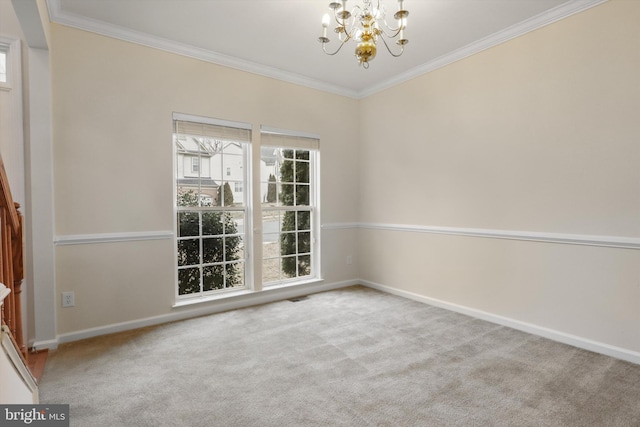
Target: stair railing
x: 11, y: 261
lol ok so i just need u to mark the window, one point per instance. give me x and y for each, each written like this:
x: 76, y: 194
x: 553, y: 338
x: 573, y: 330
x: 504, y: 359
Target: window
x: 213, y: 210
x: 210, y: 218
x: 289, y: 207
x: 3, y: 65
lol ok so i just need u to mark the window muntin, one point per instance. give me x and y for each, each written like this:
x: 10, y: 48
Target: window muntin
x: 288, y: 214
x: 210, y: 217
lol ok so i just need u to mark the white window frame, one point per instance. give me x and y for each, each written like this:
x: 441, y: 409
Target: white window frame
x: 252, y: 215
x: 313, y: 208
x: 4, y: 53
x: 11, y: 47
x: 246, y: 208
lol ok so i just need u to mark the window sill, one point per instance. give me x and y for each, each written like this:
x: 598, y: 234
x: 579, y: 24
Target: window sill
x: 270, y: 293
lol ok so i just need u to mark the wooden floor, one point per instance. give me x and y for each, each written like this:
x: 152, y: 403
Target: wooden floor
x: 36, y: 363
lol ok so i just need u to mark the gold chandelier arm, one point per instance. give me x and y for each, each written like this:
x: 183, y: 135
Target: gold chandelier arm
x: 384, y: 33
x: 395, y: 55
x: 342, y: 43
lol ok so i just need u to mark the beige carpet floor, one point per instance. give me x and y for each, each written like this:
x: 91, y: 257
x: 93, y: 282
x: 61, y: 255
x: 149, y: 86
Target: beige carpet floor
x: 350, y: 357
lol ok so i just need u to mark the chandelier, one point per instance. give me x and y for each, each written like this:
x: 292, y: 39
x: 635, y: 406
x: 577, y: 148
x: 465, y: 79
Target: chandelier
x: 365, y: 24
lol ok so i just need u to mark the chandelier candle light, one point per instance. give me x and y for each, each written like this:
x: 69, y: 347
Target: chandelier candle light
x: 366, y: 25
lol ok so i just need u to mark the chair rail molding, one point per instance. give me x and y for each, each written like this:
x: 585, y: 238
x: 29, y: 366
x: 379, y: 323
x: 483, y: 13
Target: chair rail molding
x: 85, y: 239
x: 530, y: 236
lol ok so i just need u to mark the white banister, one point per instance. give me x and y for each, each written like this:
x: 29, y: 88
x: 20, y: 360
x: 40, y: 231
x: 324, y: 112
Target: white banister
x: 18, y: 386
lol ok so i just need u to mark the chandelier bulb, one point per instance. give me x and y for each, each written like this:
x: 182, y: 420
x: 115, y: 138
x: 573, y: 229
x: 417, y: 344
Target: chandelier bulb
x: 326, y: 19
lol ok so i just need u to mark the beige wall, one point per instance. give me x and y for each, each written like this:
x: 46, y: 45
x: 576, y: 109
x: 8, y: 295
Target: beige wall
x: 112, y: 113
x: 539, y: 134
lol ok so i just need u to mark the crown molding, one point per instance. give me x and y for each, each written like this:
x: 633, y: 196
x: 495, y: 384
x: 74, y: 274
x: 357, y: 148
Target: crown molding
x: 57, y: 15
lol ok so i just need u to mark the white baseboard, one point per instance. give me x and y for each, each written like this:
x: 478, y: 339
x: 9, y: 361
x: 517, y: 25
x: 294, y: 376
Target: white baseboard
x: 195, y: 310
x: 36, y: 345
x: 279, y: 294
x: 573, y: 340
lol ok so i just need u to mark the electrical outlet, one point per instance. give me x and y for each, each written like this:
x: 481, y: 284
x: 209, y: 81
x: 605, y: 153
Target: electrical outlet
x: 349, y: 260
x: 68, y: 299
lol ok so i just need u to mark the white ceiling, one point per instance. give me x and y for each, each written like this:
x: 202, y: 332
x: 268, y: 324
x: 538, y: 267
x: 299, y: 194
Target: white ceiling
x: 278, y: 38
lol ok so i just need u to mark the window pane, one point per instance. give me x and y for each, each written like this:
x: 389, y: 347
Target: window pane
x: 230, y: 225
x: 270, y: 245
x: 237, y: 193
x: 237, y: 251
x: 189, y: 252
x: 187, y: 194
x: 289, y: 266
x: 188, y: 224
x: 269, y: 171
x: 304, y: 265
x: 234, y: 248
x: 237, y: 219
x: 212, y: 278
x: 302, y: 195
x: 302, y: 154
x: 302, y: 172
x: 288, y: 243
x: 211, y: 224
x: 188, y: 281
x: 235, y: 275
x: 212, y: 250
x: 286, y: 171
x: 268, y: 191
x: 304, y: 242
x: 225, y: 196
x: 304, y: 220
x: 286, y: 195
x: 288, y: 221
x: 215, y: 166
